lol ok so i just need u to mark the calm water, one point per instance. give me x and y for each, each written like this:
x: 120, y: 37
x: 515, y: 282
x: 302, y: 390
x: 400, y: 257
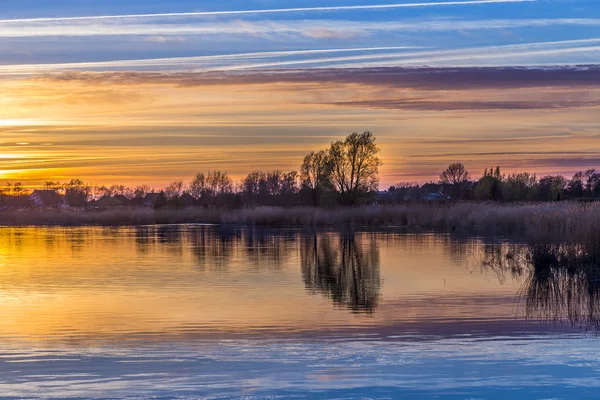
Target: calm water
x: 201, y: 311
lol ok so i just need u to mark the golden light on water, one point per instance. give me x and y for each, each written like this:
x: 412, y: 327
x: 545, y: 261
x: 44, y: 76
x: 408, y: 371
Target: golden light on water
x: 73, y: 283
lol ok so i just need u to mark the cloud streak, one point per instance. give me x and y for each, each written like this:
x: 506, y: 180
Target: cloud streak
x: 176, y: 119
x: 399, y: 77
x: 315, y: 29
x: 209, y: 62
x: 313, y: 58
x: 267, y: 11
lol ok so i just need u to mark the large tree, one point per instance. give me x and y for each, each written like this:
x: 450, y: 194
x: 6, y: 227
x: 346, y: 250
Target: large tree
x: 213, y: 184
x: 455, y: 174
x: 219, y: 182
x: 354, y: 166
x: 251, y: 186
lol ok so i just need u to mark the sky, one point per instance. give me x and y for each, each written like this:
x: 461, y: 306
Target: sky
x: 145, y: 92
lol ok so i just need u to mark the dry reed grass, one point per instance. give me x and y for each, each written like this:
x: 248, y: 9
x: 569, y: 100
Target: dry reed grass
x: 548, y: 222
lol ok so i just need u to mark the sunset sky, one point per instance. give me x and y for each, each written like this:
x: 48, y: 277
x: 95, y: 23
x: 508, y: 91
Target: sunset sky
x: 134, y: 92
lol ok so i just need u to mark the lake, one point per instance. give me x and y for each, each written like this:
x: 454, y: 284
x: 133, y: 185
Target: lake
x: 193, y: 311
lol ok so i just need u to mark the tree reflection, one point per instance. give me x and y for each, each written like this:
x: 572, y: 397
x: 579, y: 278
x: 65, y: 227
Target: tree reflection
x: 343, y: 267
x: 268, y: 249
x: 213, y: 248
x: 562, y: 282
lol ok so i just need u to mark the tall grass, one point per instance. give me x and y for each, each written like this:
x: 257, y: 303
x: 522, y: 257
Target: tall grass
x: 547, y: 222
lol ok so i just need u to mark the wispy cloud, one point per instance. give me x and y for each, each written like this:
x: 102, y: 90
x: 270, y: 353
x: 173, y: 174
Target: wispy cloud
x: 218, y: 117
x: 516, y: 55
x: 165, y: 39
x: 269, y: 11
x: 215, y: 62
x: 316, y: 29
x: 429, y: 79
x: 520, y: 54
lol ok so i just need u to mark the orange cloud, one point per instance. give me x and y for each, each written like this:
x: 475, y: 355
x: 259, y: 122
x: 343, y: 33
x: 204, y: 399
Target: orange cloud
x: 152, y: 128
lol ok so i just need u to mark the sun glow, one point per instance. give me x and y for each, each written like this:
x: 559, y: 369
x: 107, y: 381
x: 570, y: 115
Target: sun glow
x: 4, y: 122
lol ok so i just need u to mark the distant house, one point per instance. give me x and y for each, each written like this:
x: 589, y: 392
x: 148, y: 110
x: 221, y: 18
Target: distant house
x: 435, y: 197
x: 150, y: 199
x: 121, y: 201
x: 47, y: 199
x: 105, y: 202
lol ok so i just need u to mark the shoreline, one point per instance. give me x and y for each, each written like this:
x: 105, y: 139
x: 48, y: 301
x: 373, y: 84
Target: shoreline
x: 565, y: 220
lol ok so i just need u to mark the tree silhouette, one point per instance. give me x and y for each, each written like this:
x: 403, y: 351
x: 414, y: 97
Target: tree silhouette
x: 315, y: 173
x: 455, y: 174
x: 76, y: 193
x: 354, y: 166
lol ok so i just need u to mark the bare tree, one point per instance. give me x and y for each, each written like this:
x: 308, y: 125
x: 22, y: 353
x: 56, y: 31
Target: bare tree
x: 198, y: 186
x: 289, y: 183
x: 315, y: 173
x: 51, y: 185
x: 592, y: 180
x: 141, y: 191
x: 354, y: 166
x: 455, y: 174
x: 102, y: 191
x: 121, y: 190
x: 251, y: 186
x: 219, y: 182
x: 18, y: 189
x: 174, y: 190
x: 215, y: 183
x: 274, y: 179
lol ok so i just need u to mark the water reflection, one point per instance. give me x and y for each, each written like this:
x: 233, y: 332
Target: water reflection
x: 213, y: 249
x: 192, y: 280
x: 344, y: 268
x: 190, y: 310
x: 562, y: 281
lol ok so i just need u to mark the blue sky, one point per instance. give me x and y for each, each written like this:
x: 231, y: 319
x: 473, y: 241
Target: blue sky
x: 425, y: 32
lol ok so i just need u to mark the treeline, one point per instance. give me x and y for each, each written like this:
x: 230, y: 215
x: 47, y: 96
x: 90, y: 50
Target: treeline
x: 455, y: 183
x: 346, y: 173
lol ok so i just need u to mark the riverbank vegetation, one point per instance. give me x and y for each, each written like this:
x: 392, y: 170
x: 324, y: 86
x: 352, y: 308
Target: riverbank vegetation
x: 564, y: 221
x: 561, y: 281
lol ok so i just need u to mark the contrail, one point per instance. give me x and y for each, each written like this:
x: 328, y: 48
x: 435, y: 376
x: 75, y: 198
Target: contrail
x: 424, y: 58
x: 268, y: 11
x: 29, y: 68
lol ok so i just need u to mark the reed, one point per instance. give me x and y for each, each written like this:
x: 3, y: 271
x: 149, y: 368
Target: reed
x: 546, y: 222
